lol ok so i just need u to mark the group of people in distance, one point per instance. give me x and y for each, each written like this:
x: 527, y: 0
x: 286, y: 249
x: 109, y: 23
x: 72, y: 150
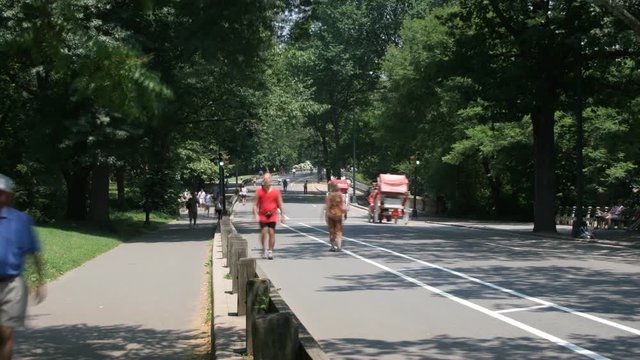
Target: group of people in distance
x: 268, y: 202
x: 201, y: 200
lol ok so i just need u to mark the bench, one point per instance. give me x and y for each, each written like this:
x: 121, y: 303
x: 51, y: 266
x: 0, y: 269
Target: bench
x: 595, y: 217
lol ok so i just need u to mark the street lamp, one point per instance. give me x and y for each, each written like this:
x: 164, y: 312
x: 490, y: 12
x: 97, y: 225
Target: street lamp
x: 222, y: 189
x: 416, y: 157
x: 576, y: 230
x: 353, y: 130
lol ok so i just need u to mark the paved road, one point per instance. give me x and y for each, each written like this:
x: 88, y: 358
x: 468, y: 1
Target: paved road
x: 428, y: 291
x: 141, y: 300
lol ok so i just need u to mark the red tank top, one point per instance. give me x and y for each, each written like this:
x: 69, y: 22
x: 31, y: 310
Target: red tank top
x: 268, y: 202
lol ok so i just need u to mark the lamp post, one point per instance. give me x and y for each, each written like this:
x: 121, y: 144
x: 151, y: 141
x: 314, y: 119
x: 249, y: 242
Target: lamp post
x: 414, y: 212
x: 354, y: 156
x: 222, y: 189
x: 577, y: 224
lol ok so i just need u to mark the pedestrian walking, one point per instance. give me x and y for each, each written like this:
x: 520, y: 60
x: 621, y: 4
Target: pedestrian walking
x: 306, y: 183
x: 219, y: 209
x: 285, y: 184
x: 202, y: 196
x: 192, y: 209
x: 243, y: 194
x: 17, y: 240
x: 335, y: 211
x: 208, y: 203
x: 267, y: 202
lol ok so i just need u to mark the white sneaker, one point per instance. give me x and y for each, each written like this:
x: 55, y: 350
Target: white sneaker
x: 270, y: 255
x: 265, y: 254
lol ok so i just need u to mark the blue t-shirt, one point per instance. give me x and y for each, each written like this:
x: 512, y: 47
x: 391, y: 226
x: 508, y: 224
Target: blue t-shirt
x: 17, y: 239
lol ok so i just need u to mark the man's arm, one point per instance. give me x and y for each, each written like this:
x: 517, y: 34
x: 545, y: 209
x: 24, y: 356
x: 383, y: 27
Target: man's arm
x: 37, y: 261
x: 41, y: 289
x: 255, y: 207
x: 281, y: 207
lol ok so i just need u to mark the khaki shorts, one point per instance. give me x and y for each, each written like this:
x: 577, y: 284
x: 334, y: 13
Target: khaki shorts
x: 13, y: 302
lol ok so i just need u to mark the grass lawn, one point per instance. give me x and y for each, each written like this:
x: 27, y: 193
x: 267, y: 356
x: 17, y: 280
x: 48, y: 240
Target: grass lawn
x: 66, y: 246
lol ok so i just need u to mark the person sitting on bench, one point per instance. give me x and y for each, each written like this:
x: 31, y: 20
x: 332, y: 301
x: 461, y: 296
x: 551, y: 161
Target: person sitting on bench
x: 614, y: 214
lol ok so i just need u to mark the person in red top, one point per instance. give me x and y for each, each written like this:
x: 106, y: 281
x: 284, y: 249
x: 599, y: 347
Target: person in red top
x: 268, y: 201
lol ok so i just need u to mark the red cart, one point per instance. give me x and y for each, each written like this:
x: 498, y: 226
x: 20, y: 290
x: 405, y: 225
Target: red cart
x: 388, y: 198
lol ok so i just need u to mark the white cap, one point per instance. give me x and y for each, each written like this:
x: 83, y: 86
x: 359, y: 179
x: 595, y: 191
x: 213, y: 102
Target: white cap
x: 6, y: 184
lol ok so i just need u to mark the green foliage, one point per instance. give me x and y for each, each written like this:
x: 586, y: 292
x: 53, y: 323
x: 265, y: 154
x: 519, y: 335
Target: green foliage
x: 339, y: 47
x: 263, y: 303
x: 197, y: 161
x: 129, y: 84
x: 461, y: 87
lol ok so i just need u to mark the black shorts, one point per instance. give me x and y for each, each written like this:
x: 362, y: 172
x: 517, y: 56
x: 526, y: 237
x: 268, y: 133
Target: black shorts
x: 271, y: 224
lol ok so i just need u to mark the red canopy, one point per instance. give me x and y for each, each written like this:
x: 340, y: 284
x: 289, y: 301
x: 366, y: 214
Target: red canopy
x: 388, y: 183
x: 342, y: 184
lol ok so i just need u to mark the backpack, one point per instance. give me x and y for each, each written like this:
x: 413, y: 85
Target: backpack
x: 335, y: 206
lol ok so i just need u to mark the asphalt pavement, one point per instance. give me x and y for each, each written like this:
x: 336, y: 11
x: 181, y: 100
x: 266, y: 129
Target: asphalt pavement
x: 141, y: 300
x: 436, y: 291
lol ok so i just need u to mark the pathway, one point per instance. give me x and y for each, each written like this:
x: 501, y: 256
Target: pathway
x: 141, y: 300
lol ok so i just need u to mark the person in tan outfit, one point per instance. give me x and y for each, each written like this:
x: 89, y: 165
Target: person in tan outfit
x: 335, y: 212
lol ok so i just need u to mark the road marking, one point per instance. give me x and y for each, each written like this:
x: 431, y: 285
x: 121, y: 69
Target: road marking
x: 522, y: 309
x: 494, y: 286
x: 530, y: 329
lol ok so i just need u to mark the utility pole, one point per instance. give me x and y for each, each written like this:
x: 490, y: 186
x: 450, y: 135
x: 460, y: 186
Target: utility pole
x: 222, y: 189
x: 577, y: 224
x: 353, y: 166
x: 416, y: 162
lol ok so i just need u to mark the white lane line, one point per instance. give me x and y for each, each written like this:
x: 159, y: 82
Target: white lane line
x: 530, y: 329
x: 522, y: 309
x: 494, y: 286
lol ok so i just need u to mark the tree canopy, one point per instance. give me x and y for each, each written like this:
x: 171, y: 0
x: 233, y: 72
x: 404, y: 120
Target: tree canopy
x: 148, y: 93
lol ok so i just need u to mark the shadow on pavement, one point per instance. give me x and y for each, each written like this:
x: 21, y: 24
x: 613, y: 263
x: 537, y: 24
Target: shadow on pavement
x: 446, y: 347
x: 84, y: 342
x: 180, y: 231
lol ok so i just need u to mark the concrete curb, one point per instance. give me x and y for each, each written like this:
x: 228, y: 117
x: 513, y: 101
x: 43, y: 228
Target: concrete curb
x: 629, y: 244
x: 227, y: 332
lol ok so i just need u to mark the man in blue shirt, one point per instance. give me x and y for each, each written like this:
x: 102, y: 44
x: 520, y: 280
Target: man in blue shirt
x: 17, y: 239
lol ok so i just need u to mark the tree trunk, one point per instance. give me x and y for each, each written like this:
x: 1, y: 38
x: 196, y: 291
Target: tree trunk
x: 120, y: 171
x: 77, y: 181
x: 99, y: 195
x: 543, y: 118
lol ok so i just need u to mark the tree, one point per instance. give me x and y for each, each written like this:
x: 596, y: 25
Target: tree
x: 344, y: 43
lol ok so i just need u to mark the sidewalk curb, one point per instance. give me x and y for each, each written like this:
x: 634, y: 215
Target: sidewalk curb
x: 228, y: 336
x: 628, y: 244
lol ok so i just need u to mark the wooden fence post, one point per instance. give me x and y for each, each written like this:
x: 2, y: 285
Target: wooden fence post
x: 256, y: 289
x: 275, y: 336
x: 233, y: 239
x: 239, y: 252
x: 246, y: 271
